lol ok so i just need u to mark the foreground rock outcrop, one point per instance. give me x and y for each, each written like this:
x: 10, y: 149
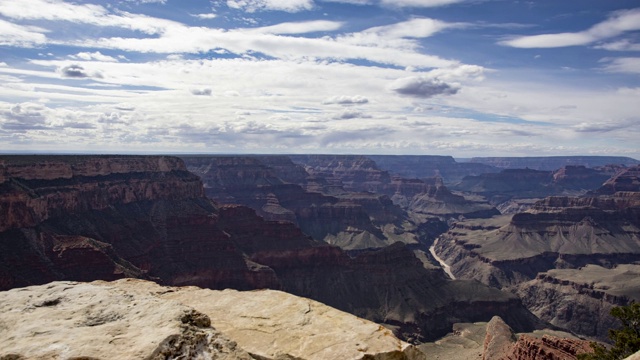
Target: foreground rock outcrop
x: 136, y: 319
x: 502, y: 344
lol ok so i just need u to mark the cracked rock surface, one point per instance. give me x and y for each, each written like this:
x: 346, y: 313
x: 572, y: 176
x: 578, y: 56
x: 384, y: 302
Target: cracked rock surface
x: 138, y: 319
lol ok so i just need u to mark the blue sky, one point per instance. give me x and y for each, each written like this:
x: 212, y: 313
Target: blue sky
x: 446, y: 77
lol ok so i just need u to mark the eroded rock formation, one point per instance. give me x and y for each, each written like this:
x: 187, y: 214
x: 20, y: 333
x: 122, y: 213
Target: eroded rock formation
x: 502, y: 344
x: 600, y: 230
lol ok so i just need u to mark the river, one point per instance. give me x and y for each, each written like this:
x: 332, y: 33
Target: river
x: 445, y: 267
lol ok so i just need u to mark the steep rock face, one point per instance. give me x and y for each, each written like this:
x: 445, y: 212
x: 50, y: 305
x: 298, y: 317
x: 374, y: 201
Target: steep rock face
x: 134, y: 319
x: 351, y: 220
x: 552, y: 162
x: 150, y: 222
x: 436, y: 200
x: 557, y: 232
x: 353, y: 172
x: 581, y: 299
x: 501, y: 344
x: 34, y: 188
x: 627, y: 180
x: 563, y: 233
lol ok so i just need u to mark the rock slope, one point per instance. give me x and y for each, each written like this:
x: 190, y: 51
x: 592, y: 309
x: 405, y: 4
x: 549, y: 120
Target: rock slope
x: 136, y: 319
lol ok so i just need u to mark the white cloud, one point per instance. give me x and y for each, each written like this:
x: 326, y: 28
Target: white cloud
x: 345, y: 100
x: 620, y: 45
x: 96, y: 55
x: 97, y: 15
x: 20, y: 36
x: 618, y: 23
x: 291, y: 6
x: 298, y: 27
x: 205, y: 16
x: 629, y: 65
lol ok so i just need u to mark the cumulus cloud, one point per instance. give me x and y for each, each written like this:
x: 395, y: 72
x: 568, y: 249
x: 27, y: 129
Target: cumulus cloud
x: 96, y: 55
x: 345, y: 100
x: 20, y: 36
x: 23, y: 117
x: 291, y: 6
x: 618, y: 23
x: 205, y: 16
x: 422, y: 87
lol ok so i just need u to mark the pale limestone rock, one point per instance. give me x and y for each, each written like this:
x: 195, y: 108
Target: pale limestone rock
x: 137, y: 319
x: 100, y: 320
x: 275, y: 324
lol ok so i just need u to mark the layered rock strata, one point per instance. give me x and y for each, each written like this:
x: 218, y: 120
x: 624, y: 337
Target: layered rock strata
x: 574, y: 235
x: 149, y: 219
x: 582, y: 299
x: 351, y: 220
x: 502, y: 344
x: 135, y: 319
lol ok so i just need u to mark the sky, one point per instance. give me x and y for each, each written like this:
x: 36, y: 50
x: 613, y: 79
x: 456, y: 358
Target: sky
x: 444, y: 77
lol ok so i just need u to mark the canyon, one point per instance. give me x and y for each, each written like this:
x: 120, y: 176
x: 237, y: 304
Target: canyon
x: 86, y: 218
x: 416, y: 244
x: 565, y: 256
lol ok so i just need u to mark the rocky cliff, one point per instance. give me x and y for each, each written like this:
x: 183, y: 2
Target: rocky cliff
x: 135, y: 319
x: 552, y: 162
x: 581, y: 299
x: 521, y: 251
x: 625, y: 180
x: 423, y: 198
x: 502, y: 344
x: 351, y: 220
x: 150, y: 220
